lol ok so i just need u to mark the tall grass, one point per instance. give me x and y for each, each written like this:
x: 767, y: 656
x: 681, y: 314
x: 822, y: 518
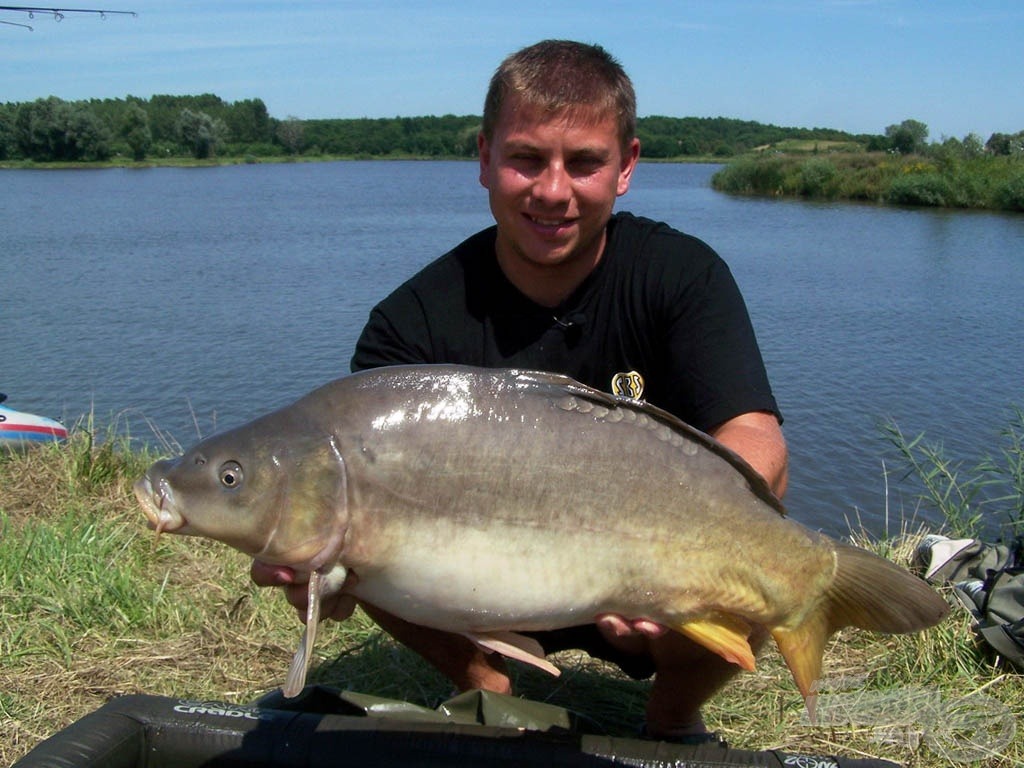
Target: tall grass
x: 91, y: 609
x: 971, y: 498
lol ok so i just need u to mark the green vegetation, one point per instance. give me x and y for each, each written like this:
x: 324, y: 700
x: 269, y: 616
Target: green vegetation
x: 988, y: 494
x: 898, y: 167
x: 902, y: 169
x: 91, y: 607
x: 203, y: 127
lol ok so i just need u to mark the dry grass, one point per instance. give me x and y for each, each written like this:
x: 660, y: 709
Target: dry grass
x: 90, y: 609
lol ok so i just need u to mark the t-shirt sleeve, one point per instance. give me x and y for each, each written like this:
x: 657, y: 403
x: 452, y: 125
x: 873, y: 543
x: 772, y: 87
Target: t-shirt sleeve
x: 396, y: 333
x: 716, y: 368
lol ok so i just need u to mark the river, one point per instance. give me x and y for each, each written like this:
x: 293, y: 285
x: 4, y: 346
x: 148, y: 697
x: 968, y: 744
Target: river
x: 172, y: 302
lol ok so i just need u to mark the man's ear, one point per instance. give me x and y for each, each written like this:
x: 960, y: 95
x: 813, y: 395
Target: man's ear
x: 484, y: 150
x: 629, y: 160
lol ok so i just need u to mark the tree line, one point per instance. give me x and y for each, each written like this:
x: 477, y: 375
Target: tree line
x: 205, y: 126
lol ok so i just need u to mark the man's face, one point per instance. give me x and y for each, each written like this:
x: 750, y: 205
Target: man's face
x: 552, y: 183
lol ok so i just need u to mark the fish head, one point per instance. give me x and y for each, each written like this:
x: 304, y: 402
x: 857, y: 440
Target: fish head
x: 272, y: 489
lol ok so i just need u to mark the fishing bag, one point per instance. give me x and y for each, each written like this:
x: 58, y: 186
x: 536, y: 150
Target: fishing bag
x: 988, y: 579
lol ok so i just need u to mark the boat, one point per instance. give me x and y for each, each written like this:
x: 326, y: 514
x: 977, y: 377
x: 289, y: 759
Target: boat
x: 20, y: 430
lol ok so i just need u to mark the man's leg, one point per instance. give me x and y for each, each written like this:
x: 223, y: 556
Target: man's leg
x: 458, y: 658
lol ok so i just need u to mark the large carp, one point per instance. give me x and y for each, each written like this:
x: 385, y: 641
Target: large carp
x: 490, y: 502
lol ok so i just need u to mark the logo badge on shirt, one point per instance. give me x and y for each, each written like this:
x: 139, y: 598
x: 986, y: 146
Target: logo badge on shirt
x: 629, y: 385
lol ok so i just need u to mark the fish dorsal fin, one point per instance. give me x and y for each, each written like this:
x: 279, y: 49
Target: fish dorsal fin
x: 758, y: 485
x: 724, y: 634
x: 514, y: 646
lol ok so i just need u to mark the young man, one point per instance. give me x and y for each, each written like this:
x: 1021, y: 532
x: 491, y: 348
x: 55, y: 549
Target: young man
x: 618, y: 302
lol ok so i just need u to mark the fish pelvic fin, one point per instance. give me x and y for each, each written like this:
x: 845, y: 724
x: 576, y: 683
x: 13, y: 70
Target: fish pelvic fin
x: 725, y: 634
x: 868, y: 592
x: 514, y: 646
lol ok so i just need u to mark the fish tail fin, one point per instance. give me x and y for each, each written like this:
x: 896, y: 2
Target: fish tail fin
x: 803, y: 649
x: 868, y: 592
x: 873, y: 593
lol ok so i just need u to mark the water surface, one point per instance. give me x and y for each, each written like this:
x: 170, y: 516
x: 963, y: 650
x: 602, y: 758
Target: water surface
x: 195, y: 299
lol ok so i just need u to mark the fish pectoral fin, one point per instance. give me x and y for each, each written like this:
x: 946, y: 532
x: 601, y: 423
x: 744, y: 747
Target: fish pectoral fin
x: 803, y: 648
x: 296, y: 679
x: 724, y: 634
x: 514, y: 646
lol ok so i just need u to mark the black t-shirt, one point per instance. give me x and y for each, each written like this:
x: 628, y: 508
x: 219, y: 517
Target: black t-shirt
x: 660, y: 304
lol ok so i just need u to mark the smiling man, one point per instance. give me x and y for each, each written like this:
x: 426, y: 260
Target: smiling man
x: 619, y: 302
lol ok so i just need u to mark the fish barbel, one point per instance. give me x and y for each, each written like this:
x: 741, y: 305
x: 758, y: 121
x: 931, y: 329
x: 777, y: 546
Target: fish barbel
x: 493, y: 502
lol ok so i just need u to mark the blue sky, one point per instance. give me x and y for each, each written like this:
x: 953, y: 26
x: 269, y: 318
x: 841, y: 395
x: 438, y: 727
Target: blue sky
x: 855, y: 65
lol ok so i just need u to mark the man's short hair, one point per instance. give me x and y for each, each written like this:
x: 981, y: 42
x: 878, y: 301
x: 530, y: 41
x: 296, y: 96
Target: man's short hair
x: 560, y: 76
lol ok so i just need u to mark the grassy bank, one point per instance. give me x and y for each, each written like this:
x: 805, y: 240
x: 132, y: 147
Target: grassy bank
x: 90, y: 609
x: 990, y: 183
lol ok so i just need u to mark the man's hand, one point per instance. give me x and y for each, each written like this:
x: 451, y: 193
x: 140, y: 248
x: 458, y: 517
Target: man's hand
x: 629, y: 635
x: 338, y: 606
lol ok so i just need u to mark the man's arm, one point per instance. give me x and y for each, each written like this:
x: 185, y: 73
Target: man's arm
x: 757, y: 438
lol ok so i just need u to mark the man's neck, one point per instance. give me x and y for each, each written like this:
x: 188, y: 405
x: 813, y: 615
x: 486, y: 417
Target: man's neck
x: 548, y: 285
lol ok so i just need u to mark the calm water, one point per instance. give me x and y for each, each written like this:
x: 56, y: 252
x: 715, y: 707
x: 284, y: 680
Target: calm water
x: 195, y: 299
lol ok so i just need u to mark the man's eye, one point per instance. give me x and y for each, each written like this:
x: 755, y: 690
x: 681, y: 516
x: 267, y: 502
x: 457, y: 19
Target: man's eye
x: 585, y: 165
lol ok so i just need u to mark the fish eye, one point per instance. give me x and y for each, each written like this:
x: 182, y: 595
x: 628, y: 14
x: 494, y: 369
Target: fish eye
x: 231, y: 474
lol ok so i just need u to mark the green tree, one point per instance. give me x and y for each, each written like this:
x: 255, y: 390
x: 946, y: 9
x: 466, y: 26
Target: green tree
x: 248, y: 121
x: 135, y: 130
x: 53, y: 129
x: 201, y: 134
x: 973, y: 146
x: 1005, y: 143
x: 291, y: 134
x: 8, y: 137
x: 908, y: 137
x: 87, y: 136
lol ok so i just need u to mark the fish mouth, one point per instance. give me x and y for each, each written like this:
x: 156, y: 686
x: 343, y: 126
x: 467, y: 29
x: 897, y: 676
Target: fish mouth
x: 158, y: 505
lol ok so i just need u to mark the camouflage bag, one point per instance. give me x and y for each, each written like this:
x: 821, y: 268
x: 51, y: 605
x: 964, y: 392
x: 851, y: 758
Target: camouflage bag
x: 988, y: 579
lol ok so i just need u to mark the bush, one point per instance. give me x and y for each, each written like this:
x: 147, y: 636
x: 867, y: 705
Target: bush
x: 747, y: 177
x: 817, y: 178
x: 920, y: 189
x: 1010, y: 194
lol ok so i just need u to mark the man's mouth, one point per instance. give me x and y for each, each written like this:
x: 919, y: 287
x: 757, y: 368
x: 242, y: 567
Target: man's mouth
x: 550, y: 223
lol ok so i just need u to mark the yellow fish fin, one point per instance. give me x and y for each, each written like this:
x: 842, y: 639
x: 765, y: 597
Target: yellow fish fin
x: 724, y: 634
x: 803, y: 648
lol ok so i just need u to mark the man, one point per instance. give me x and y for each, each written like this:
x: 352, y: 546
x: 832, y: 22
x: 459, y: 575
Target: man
x: 615, y: 301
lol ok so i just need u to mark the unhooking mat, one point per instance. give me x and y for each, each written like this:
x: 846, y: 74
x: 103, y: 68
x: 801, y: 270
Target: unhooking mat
x: 322, y: 727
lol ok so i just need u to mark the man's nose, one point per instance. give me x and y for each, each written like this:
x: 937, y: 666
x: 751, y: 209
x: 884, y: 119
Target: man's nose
x: 553, y: 184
